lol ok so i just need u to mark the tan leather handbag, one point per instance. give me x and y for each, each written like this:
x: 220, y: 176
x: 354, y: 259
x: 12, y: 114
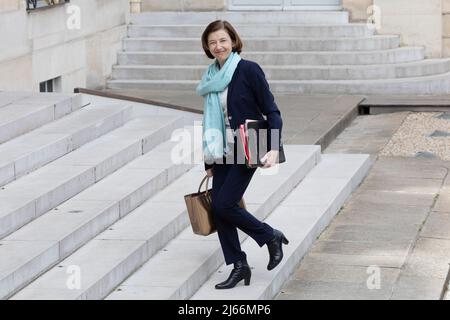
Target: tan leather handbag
x: 199, y: 207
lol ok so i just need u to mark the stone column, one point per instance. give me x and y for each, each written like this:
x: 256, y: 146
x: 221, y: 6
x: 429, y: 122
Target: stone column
x: 446, y: 28
x: 357, y: 9
x: 135, y: 6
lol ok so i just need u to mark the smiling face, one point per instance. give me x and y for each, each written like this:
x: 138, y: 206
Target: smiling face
x: 220, y: 45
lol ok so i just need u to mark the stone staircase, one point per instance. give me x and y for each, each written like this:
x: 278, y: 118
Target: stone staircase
x: 109, y: 205
x: 302, y: 52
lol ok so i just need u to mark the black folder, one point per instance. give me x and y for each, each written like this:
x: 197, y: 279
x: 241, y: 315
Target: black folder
x: 256, y: 137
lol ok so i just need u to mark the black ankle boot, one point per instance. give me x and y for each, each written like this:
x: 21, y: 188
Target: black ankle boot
x: 240, y: 271
x: 275, y: 249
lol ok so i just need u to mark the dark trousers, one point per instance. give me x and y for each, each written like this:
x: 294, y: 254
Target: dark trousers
x: 229, y: 184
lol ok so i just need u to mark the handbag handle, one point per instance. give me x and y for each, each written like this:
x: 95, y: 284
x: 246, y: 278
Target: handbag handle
x: 201, y: 183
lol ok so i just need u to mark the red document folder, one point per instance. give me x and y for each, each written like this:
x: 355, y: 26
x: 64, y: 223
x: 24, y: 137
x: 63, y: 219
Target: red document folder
x: 244, y: 140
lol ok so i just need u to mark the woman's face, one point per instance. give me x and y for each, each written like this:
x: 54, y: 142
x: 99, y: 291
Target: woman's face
x: 220, y: 45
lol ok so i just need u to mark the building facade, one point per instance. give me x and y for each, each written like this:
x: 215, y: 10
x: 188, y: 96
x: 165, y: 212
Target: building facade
x: 61, y: 47
x: 75, y: 44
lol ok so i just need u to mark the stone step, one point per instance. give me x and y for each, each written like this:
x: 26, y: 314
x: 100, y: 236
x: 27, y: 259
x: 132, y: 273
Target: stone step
x: 31, y: 196
x: 242, y: 17
x: 42, y: 98
x: 52, y: 237
x: 377, y: 42
x: 302, y: 217
x: 426, y: 85
x: 8, y: 97
x: 248, y: 31
x: 21, y: 113
x: 405, y: 54
x: 33, y: 150
x: 163, y: 278
x: 114, y: 255
x: 293, y: 72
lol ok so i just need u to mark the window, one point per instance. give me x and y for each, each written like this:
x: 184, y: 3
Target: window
x: 52, y: 85
x: 43, y: 4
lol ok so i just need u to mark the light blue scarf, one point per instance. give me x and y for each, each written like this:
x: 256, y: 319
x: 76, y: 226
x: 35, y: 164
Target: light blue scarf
x: 214, y: 81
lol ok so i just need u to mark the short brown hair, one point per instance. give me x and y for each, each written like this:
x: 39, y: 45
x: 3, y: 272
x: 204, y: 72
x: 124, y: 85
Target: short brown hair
x: 221, y: 25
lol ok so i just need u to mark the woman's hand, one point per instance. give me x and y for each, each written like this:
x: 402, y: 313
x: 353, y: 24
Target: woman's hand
x: 270, y: 158
x: 209, y: 172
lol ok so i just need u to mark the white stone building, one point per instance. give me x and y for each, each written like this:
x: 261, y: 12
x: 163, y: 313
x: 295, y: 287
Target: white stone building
x: 65, y: 46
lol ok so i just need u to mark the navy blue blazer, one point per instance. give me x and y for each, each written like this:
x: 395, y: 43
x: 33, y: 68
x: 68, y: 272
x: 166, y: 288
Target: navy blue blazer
x: 249, y: 97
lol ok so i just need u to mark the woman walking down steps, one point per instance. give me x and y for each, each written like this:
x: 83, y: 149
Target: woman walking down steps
x: 235, y: 90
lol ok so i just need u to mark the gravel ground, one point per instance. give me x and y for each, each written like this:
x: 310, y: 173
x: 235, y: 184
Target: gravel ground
x: 422, y: 134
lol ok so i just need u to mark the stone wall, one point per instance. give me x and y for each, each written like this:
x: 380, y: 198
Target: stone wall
x: 40, y: 46
x: 418, y: 22
x: 9, y: 5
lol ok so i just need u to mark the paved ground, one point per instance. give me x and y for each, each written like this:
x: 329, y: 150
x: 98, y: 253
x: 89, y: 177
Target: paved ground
x: 307, y: 119
x: 392, y: 238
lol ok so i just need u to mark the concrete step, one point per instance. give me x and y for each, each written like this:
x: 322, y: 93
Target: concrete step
x: 31, y: 196
x: 42, y: 98
x: 20, y: 113
x: 33, y: 150
x: 426, y: 85
x: 302, y: 217
x: 242, y: 17
x: 249, y: 31
x: 8, y: 97
x: 134, y: 239
x: 163, y: 278
x: 293, y: 72
x: 405, y: 54
x: 49, y: 239
x: 378, y: 42
x: 156, y: 282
